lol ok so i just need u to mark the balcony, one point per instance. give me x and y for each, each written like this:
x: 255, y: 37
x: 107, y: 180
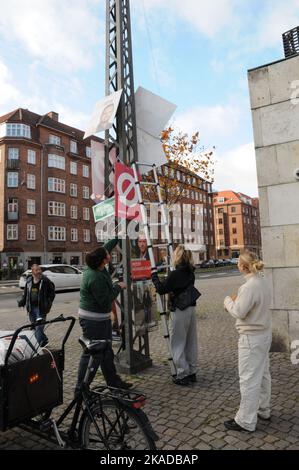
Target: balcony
x: 13, y: 164
x: 291, y: 42
x: 55, y: 146
x: 12, y: 216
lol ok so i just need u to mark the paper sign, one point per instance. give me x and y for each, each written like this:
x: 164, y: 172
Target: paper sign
x: 104, y: 209
x: 104, y: 114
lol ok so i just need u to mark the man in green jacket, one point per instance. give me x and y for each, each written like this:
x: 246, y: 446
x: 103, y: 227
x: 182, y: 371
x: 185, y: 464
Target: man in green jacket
x: 97, y: 292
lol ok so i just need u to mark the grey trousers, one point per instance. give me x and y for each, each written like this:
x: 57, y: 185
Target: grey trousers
x: 183, y: 341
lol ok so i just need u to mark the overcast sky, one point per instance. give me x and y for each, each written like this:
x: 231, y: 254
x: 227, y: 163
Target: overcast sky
x: 192, y: 52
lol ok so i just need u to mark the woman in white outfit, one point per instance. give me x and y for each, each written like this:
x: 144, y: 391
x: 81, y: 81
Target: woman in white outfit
x: 251, y: 308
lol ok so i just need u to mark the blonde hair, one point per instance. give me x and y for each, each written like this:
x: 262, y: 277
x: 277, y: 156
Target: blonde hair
x: 182, y: 256
x: 251, y: 261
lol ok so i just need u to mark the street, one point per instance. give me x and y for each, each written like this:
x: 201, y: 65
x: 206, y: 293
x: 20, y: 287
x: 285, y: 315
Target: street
x: 190, y: 417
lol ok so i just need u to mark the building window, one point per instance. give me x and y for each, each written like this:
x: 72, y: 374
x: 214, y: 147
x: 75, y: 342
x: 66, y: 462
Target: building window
x: 31, y: 232
x: 235, y: 241
x: 12, y: 232
x: 54, y: 139
x: 86, y: 235
x: 30, y: 181
x: 73, y: 168
x: 13, y: 153
x: 12, y: 205
x: 12, y: 179
x: 234, y: 220
x: 56, y: 185
x: 18, y: 130
x: 234, y: 210
x: 74, y: 212
x: 56, y: 233
x: 73, y: 190
x: 56, y: 208
x: 235, y: 231
x: 222, y: 243
x: 86, y: 215
x: 85, y: 192
x: 31, y: 157
x: 88, y: 152
x: 86, y: 171
x: 221, y: 200
x: 56, y: 161
x: 74, y: 235
x: 221, y: 231
x: 31, y: 206
x: 220, y: 221
x: 220, y: 211
x: 74, y: 146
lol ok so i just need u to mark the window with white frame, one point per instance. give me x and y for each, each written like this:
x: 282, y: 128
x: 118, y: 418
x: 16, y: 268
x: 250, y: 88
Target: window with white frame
x: 18, y: 130
x: 56, y: 233
x: 54, y: 139
x: 85, y: 171
x: 12, y: 232
x: 85, y: 192
x: 56, y: 185
x: 56, y: 208
x: 73, y: 168
x: 31, y: 206
x: 74, y: 212
x: 12, y: 179
x: 31, y: 232
x: 56, y: 161
x: 30, y: 181
x: 13, y: 205
x: 74, y: 235
x: 13, y: 153
x: 86, y: 235
x: 86, y: 215
x: 100, y: 235
x: 88, y: 152
x: 73, y: 146
x: 31, y: 157
x: 73, y: 190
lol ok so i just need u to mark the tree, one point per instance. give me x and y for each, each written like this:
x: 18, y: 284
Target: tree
x: 181, y: 151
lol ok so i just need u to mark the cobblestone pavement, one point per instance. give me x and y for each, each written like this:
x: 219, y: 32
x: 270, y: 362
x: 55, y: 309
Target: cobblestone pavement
x: 192, y: 418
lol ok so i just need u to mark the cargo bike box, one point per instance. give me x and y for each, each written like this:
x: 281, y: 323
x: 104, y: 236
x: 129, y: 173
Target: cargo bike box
x: 34, y: 386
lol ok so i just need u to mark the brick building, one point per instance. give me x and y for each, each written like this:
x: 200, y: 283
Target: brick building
x: 237, y: 224
x: 45, y: 187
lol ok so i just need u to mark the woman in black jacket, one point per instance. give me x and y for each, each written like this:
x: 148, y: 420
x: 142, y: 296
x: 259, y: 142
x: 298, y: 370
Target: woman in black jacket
x: 183, y: 333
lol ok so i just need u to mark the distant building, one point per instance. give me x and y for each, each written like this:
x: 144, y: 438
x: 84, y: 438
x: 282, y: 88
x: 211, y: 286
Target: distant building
x: 237, y: 224
x: 45, y: 188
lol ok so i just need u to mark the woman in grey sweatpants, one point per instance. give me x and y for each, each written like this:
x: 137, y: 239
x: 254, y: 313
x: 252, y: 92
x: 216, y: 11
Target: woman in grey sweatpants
x: 251, y: 308
x: 183, y: 329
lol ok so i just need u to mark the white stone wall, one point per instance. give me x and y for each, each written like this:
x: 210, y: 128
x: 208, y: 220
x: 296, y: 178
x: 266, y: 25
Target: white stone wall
x: 276, y: 134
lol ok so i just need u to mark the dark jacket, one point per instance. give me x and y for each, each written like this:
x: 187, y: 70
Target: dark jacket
x: 176, y: 282
x: 46, y: 295
x: 97, y: 291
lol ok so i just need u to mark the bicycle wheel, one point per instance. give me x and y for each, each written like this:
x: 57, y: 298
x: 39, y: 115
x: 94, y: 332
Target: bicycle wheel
x: 121, y: 427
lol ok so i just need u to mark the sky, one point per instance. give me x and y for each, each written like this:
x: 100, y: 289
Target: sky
x: 193, y: 52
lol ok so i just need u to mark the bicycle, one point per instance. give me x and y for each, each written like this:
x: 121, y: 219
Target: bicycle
x: 104, y: 418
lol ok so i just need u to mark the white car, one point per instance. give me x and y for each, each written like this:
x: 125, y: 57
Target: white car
x: 63, y: 276
x: 234, y: 260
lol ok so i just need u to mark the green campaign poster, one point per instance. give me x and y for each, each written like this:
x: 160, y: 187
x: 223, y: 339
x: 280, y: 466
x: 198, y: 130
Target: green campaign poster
x: 104, y: 209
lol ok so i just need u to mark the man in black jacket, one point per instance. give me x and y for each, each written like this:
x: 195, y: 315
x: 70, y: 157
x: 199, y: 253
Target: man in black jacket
x: 38, y: 296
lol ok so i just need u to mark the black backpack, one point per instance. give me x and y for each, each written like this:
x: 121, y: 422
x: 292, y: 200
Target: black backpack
x: 186, y: 298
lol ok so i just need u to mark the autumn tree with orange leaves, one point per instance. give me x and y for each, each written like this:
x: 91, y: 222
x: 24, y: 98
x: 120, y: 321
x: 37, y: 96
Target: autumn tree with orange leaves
x: 180, y: 150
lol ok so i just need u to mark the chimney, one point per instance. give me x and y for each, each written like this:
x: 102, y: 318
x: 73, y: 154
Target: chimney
x: 53, y: 115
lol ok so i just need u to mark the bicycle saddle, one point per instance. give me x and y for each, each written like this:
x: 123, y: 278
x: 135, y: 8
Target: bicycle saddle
x: 91, y: 346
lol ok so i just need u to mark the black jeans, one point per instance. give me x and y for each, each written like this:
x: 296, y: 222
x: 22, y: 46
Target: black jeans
x: 94, y: 330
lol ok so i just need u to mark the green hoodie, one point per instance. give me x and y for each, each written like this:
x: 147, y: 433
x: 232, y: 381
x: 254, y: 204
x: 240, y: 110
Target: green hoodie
x: 97, y: 291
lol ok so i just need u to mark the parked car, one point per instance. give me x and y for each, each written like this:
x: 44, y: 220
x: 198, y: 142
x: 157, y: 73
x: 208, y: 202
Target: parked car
x: 63, y: 276
x: 234, y: 260
x: 208, y: 264
x: 227, y: 262
x: 218, y: 263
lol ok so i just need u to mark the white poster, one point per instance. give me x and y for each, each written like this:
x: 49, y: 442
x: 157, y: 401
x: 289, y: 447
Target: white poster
x: 97, y: 170
x: 104, y: 114
x: 152, y: 115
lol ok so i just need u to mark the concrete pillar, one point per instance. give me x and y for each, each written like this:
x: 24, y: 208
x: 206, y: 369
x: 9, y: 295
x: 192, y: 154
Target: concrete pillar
x: 274, y: 90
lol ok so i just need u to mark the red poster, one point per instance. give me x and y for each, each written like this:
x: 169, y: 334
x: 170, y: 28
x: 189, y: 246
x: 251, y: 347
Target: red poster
x: 140, y: 269
x: 126, y: 197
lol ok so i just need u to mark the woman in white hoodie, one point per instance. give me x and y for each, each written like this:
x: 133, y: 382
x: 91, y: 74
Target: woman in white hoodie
x: 251, y: 308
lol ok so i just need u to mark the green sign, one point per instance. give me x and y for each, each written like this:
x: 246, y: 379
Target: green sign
x: 104, y: 209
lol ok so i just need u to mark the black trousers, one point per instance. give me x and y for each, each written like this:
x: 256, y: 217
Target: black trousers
x: 94, y: 330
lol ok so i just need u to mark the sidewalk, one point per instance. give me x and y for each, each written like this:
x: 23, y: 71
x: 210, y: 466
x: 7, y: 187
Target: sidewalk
x: 192, y: 417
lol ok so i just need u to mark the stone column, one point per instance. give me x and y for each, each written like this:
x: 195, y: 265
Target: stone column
x: 275, y: 112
